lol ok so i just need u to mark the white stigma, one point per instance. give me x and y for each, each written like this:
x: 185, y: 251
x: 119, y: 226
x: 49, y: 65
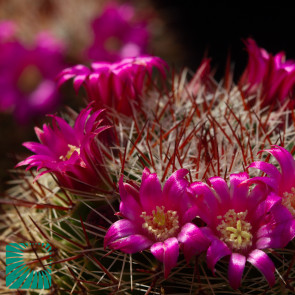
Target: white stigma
x: 235, y: 230
x: 289, y: 201
x: 72, y: 149
x: 162, y: 225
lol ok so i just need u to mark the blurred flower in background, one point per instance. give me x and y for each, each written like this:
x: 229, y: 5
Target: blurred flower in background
x: 118, y: 34
x: 27, y: 74
x: 273, y: 75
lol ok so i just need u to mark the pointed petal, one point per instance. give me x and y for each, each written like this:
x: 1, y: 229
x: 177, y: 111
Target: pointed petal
x: 131, y: 244
x: 129, y: 206
x: 166, y: 252
x: 284, y: 158
x: 271, y: 182
x: 204, y: 194
x: 267, y: 168
x: 275, y: 238
x: 80, y: 122
x: 279, y: 231
x: 150, y: 193
x: 157, y: 249
x: 235, y: 269
x: 174, y: 188
x: 193, y: 240
x: 221, y: 188
x: 78, y: 81
x: 92, y: 120
x: 239, y: 191
x: 263, y: 208
x: 255, y: 197
x: 38, y: 148
x: 170, y: 255
x: 264, y: 264
x: 145, y: 173
x: 216, y: 251
x: 120, y: 229
x: 67, y: 131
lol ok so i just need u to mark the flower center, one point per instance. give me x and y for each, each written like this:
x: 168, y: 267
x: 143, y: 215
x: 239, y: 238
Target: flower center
x: 289, y: 200
x: 112, y: 44
x: 72, y: 148
x: 162, y: 225
x: 29, y: 79
x: 235, y: 231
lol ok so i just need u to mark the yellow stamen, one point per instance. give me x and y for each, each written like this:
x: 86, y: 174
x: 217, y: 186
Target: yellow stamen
x: 162, y: 225
x: 71, y: 150
x: 235, y: 230
x: 289, y: 201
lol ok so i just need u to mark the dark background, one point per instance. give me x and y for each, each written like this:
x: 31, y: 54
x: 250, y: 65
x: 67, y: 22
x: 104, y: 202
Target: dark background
x: 216, y: 29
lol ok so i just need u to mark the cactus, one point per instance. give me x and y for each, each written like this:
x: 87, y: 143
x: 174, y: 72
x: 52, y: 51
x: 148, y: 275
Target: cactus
x: 195, y: 123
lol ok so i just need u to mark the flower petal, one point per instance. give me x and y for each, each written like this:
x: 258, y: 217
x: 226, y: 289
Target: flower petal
x: 278, y: 237
x: 239, y: 191
x: 235, y: 269
x: 265, y: 206
x: 279, y: 231
x: 174, y: 188
x: 284, y: 158
x: 268, y: 168
x: 216, y: 251
x: 220, y: 186
x: 257, y: 195
x: 271, y: 182
x: 129, y: 206
x: 157, y: 249
x: 120, y: 229
x: 193, y: 240
x: 150, y: 192
x: 167, y: 253
x: 170, y: 255
x: 131, y: 244
x: 204, y: 195
x: 264, y: 264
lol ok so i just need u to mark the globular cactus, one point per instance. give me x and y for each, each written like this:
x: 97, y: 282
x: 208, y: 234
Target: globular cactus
x: 170, y: 185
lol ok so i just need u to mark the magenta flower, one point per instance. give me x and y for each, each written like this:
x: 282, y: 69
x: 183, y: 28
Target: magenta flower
x: 7, y: 30
x: 281, y: 182
x: 156, y: 219
x: 116, y: 85
x: 273, y: 74
x: 70, y: 153
x: 27, y: 74
x: 117, y: 34
x: 241, y: 223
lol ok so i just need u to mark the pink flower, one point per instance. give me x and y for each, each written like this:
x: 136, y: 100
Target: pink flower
x: 156, y: 219
x: 70, y: 153
x: 240, y: 223
x: 281, y: 182
x: 7, y: 30
x: 273, y: 74
x: 27, y: 74
x: 116, y: 85
x: 117, y: 34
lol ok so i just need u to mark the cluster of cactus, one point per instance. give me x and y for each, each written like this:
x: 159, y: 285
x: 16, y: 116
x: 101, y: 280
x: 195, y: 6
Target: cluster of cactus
x: 196, y: 123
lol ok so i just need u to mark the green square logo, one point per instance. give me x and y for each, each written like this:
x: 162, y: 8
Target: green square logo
x: 20, y: 272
